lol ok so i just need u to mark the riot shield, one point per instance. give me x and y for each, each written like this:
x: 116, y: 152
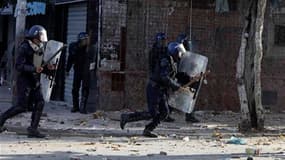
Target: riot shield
x: 191, y: 64
x: 47, y: 82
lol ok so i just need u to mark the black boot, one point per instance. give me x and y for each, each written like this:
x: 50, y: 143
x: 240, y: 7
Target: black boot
x: 2, y: 121
x: 83, y: 104
x: 149, y: 128
x: 150, y: 134
x: 33, y: 129
x: 190, y: 117
x: 11, y: 112
x: 169, y: 119
x: 34, y: 133
x: 75, y: 107
x: 132, y: 117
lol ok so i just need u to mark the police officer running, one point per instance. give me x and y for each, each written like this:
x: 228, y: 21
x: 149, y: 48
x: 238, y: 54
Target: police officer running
x: 29, y: 94
x: 162, y: 77
x: 158, y: 49
x: 79, y: 57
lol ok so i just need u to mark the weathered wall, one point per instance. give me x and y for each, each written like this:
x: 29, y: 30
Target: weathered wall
x: 273, y: 75
x: 113, y: 18
x: 215, y: 35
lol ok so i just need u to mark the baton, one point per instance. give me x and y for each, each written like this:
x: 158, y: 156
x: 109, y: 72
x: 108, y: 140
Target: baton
x: 195, y: 79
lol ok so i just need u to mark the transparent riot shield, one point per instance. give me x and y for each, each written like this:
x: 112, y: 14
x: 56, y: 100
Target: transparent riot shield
x: 47, y: 82
x: 192, y: 64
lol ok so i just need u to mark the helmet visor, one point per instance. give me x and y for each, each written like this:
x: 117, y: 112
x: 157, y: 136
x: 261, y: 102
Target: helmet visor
x: 43, y: 36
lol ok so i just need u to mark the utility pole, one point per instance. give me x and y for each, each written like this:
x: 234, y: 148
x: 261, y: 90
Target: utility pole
x: 20, y: 14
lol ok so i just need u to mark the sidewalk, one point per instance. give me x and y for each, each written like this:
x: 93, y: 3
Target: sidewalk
x: 58, y: 121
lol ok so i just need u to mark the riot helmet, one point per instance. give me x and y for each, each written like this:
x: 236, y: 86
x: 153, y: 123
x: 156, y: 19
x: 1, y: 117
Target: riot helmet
x: 37, y: 32
x: 160, y: 40
x: 160, y: 36
x: 173, y: 48
x: 176, y: 50
x: 82, y: 36
x: 83, y: 39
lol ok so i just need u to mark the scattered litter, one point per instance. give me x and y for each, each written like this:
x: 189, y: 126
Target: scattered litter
x: 115, y: 147
x: 62, y: 122
x: 132, y: 140
x: 52, y: 120
x: 163, y: 153
x: 134, y: 150
x: 264, y: 142
x: 75, y: 158
x: 89, y: 143
x: 91, y: 150
x: 235, y: 140
x: 252, y: 151
x: 186, y: 139
x: 217, y: 134
x: 173, y: 135
x: 282, y: 136
x: 83, y: 123
x: 98, y: 115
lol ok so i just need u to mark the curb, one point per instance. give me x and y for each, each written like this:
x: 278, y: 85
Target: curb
x: 172, y: 133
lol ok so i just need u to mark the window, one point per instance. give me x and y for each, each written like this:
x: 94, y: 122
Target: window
x: 233, y: 5
x: 279, y: 35
x: 118, y: 82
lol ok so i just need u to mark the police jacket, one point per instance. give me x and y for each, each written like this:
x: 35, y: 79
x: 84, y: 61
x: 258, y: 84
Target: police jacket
x: 164, y: 71
x: 79, y: 58
x: 26, y: 70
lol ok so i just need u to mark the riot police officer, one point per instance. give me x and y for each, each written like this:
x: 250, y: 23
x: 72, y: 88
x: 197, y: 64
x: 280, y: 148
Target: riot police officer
x: 183, y: 78
x: 79, y: 58
x: 28, y: 66
x: 162, y: 77
x: 158, y: 49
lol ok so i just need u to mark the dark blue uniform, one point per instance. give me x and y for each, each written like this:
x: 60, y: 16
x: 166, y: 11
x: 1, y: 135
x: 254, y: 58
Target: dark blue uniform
x: 80, y: 58
x: 161, y: 79
x: 29, y: 94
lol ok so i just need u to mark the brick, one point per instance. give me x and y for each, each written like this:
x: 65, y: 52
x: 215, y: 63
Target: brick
x: 217, y: 36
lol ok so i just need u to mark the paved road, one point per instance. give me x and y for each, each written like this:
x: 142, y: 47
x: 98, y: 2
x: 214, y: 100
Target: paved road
x: 135, y: 148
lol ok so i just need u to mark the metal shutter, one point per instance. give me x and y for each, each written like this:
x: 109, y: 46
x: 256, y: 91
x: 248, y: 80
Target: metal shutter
x: 76, y: 23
